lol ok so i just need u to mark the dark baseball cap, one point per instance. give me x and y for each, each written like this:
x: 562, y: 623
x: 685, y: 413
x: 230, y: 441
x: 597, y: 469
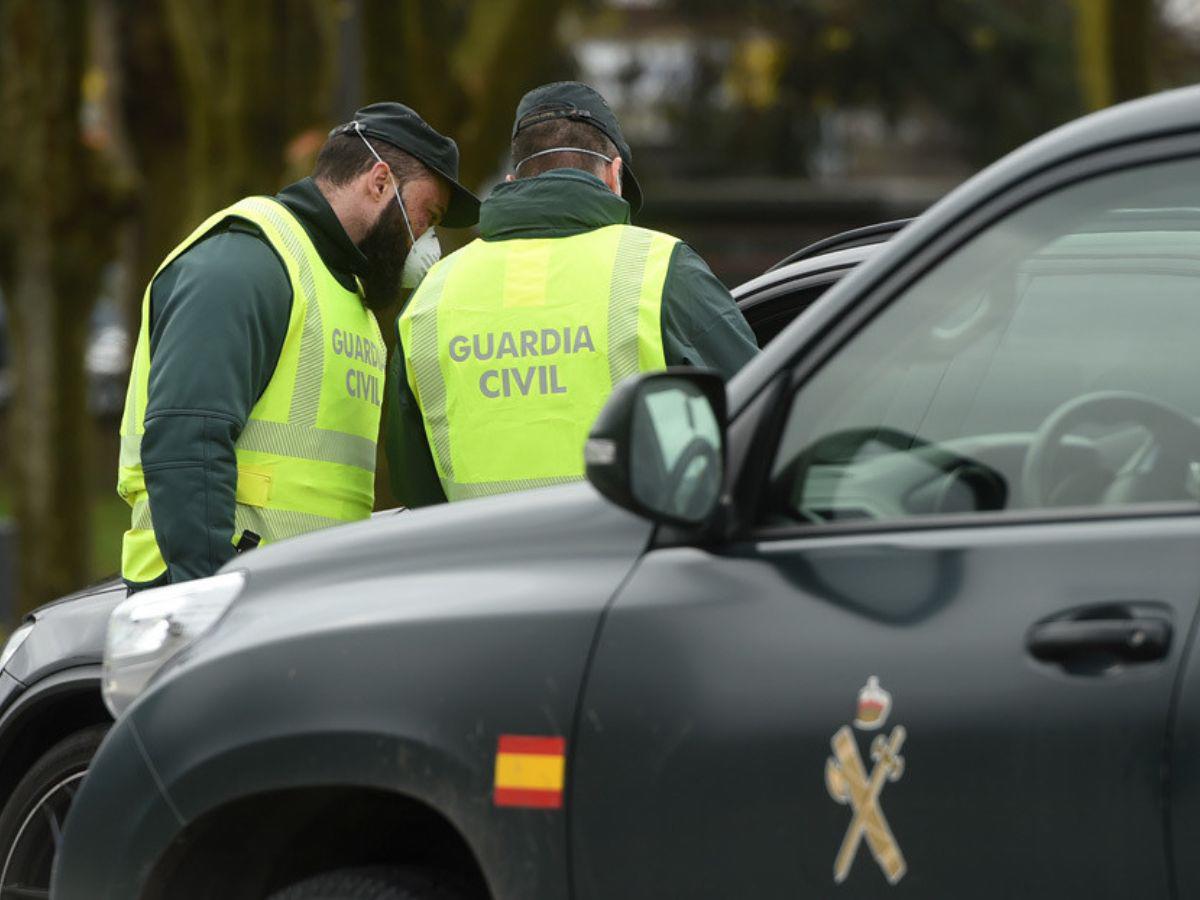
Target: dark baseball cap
x: 577, y: 101
x: 401, y: 127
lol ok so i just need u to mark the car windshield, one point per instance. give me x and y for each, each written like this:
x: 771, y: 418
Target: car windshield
x: 1086, y: 312
x: 1086, y: 294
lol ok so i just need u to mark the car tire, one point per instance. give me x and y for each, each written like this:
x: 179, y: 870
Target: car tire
x: 28, y: 841
x: 375, y: 883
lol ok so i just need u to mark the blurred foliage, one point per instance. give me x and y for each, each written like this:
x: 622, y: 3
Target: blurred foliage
x: 975, y: 63
x: 251, y: 77
x: 1112, y: 48
x: 209, y: 95
x: 463, y: 65
x: 110, y: 518
x: 62, y: 195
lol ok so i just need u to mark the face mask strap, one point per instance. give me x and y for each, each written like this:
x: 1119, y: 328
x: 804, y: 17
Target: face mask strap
x: 395, y: 190
x: 517, y: 167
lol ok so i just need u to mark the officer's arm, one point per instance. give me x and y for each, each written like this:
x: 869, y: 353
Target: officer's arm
x: 701, y: 323
x: 219, y: 315
x: 413, y: 476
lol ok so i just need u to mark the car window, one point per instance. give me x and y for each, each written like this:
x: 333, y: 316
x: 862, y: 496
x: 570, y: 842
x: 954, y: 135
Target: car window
x: 1052, y: 361
x: 767, y: 316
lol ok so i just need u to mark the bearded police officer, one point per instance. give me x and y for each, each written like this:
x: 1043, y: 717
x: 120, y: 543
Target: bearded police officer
x: 254, y: 399
x: 512, y: 344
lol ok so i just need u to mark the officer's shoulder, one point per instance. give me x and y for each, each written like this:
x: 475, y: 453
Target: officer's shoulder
x: 238, y: 225
x: 690, y: 279
x: 653, y: 234
x: 438, y: 271
x: 451, y: 259
x: 237, y: 249
x: 684, y: 261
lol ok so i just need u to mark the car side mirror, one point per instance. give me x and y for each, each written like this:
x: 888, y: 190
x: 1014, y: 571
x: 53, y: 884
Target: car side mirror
x: 658, y: 446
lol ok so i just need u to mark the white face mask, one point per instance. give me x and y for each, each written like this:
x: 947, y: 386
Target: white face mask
x: 424, y: 251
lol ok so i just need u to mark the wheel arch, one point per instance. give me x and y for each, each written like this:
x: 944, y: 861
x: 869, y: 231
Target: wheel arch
x: 250, y: 846
x: 44, y: 714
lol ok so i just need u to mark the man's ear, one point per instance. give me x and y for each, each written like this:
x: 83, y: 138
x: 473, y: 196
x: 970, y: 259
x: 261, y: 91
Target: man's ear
x: 614, y: 175
x: 379, y: 181
x: 510, y: 177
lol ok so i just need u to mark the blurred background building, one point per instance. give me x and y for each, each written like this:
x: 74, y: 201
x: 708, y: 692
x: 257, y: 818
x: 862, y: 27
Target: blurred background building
x: 757, y: 127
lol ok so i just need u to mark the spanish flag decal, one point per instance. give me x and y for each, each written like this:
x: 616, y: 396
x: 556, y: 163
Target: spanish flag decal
x: 529, y: 771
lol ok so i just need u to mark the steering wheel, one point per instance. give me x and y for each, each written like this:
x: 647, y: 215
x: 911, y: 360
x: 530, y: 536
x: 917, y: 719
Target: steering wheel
x: 689, y: 507
x: 1176, y: 435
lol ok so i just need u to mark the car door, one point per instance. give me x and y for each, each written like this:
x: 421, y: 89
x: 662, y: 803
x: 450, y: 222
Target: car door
x: 940, y: 659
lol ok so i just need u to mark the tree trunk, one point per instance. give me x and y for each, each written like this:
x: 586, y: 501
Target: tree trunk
x: 1113, y: 49
x: 462, y: 69
x: 503, y: 53
x: 55, y: 242
x: 150, y: 106
x: 253, y: 76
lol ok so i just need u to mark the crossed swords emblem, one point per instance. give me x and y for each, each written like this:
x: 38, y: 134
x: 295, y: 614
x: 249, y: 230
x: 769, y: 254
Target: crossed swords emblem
x: 848, y: 783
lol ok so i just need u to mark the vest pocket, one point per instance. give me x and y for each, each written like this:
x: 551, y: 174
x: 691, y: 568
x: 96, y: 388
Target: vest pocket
x: 254, y: 485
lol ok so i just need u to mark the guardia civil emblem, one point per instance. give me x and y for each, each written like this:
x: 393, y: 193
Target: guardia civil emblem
x: 850, y: 784
x: 874, y: 705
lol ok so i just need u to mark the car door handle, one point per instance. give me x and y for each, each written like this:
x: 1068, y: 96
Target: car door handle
x: 1131, y: 640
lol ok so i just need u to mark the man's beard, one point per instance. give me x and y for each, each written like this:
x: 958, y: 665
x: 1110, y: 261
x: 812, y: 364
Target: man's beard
x: 384, y: 246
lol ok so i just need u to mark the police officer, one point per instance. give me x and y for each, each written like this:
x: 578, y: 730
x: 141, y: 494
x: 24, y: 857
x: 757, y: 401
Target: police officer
x: 512, y: 344
x: 254, y: 398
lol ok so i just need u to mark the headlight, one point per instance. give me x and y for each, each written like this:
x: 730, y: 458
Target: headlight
x: 13, y: 644
x: 149, y: 628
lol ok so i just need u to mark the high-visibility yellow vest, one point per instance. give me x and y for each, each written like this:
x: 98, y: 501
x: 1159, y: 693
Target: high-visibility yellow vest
x: 513, y: 346
x: 306, y: 456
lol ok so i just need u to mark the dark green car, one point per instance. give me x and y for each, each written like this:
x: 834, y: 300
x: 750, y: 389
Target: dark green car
x: 908, y: 610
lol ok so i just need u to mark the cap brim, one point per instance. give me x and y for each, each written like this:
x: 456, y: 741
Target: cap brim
x: 463, y: 211
x: 631, y: 190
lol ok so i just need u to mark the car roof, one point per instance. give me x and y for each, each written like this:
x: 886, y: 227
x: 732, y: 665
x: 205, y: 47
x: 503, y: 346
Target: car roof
x: 855, y: 237
x: 836, y: 260
x: 831, y: 255
x: 844, y: 250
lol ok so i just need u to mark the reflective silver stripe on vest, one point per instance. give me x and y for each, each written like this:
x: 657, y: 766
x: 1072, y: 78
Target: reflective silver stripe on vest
x: 278, y: 524
x: 131, y: 419
x: 308, y: 442
x: 624, y: 303
x: 475, y: 490
x: 270, y: 524
x: 141, y: 515
x: 131, y: 451
x: 427, y: 364
x: 279, y: 439
x: 310, y: 370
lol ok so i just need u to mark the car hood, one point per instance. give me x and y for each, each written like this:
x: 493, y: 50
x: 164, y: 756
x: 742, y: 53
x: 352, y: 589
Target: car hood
x: 69, y: 632
x: 512, y: 531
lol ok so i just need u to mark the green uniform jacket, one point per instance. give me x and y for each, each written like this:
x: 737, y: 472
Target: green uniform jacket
x: 701, y: 324
x: 218, y: 317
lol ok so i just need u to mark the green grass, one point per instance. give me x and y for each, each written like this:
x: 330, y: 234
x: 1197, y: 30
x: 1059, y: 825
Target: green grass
x: 110, y: 518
